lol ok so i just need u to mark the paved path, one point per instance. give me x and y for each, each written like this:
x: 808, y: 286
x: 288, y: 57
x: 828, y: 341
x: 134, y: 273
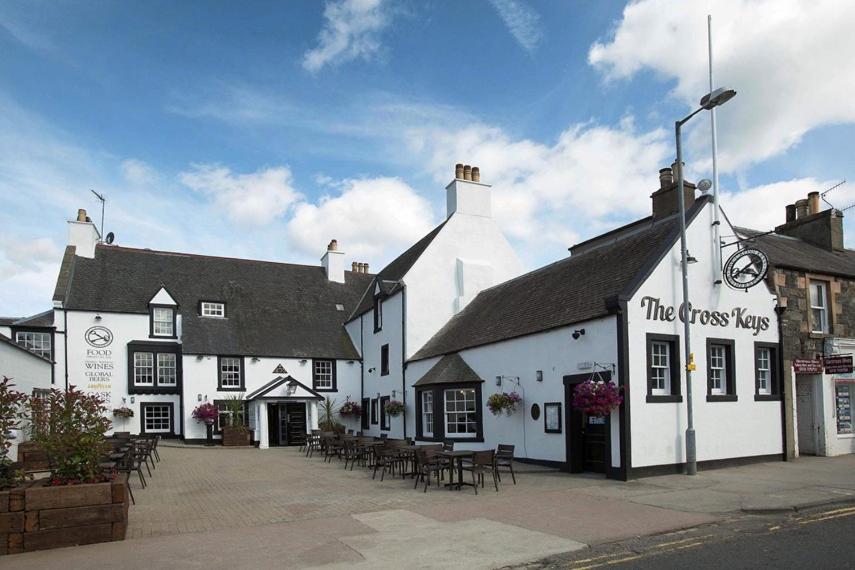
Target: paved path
x: 219, y: 508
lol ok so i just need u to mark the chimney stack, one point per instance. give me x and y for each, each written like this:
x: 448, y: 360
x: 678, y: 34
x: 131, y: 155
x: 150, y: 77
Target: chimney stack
x: 666, y: 178
x: 466, y: 194
x: 666, y: 200
x: 83, y: 235
x: 806, y: 222
x: 333, y: 262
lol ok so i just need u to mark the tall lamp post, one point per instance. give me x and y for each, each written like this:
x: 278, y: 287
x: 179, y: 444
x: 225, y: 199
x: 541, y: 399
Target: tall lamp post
x: 709, y: 101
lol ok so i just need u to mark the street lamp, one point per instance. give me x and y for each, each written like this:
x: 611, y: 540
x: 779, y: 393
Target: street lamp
x: 708, y: 101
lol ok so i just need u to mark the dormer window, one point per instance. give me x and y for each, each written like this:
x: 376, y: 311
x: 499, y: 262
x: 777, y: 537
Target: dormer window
x: 163, y: 321
x: 213, y: 309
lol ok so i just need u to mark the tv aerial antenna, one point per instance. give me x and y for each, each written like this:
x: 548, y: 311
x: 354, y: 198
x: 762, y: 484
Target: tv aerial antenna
x: 103, y: 202
x: 835, y: 187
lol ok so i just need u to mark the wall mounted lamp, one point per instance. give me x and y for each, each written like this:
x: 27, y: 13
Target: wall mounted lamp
x: 133, y: 399
x: 198, y: 397
x: 371, y: 370
x: 394, y: 392
x: 198, y: 357
x: 539, y: 375
x: 690, y: 258
x: 303, y: 361
x: 97, y: 318
x: 350, y: 361
x: 255, y: 359
x: 498, y: 380
x: 578, y: 333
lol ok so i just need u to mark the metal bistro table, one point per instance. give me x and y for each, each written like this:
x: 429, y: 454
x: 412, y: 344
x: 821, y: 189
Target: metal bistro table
x: 457, y: 455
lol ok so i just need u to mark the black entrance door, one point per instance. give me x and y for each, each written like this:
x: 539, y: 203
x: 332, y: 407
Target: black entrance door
x: 292, y: 423
x: 587, y: 436
x: 273, y: 436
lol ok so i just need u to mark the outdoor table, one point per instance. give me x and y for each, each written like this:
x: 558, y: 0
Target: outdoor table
x: 457, y: 455
x: 372, y: 446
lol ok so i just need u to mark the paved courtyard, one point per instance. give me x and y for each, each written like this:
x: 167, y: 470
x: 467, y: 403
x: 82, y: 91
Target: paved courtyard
x: 220, y: 507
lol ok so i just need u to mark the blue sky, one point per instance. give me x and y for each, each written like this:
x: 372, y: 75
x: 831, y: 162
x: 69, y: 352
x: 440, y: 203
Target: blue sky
x: 264, y: 129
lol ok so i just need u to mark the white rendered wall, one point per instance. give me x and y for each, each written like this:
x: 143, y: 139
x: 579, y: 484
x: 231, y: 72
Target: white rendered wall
x: 724, y: 429
x: 27, y: 372
x: 432, y: 282
x: 554, y: 352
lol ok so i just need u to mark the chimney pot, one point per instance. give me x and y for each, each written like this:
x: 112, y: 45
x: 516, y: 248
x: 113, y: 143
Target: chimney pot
x: 813, y: 203
x: 801, y: 208
x: 467, y: 172
x: 676, y: 171
x: 458, y: 170
x: 476, y: 174
x: 666, y: 178
x: 791, y: 213
x: 81, y: 215
x: 333, y: 246
x: 354, y: 267
x: 365, y: 268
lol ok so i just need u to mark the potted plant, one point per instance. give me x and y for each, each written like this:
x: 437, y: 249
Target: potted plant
x: 327, y: 420
x: 235, y: 432
x: 503, y: 402
x: 123, y: 412
x: 394, y: 408
x: 207, y: 413
x: 350, y: 410
x: 597, y: 398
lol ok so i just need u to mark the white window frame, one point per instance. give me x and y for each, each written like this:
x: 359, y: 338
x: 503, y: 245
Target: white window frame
x: 164, y: 368
x: 460, y: 414
x: 161, y: 326
x: 141, y: 367
x: 37, y: 342
x: 718, y: 352
x: 427, y: 413
x: 819, y: 302
x: 323, y: 379
x: 147, y: 408
x: 764, y: 371
x: 213, y: 309
x: 230, y: 368
x: 656, y: 365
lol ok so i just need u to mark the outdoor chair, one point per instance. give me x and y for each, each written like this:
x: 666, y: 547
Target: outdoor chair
x: 505, y: 459
x: 448, y: 446
x: 386, y: 458
x: 313, y: 443
x: 483, y: 462
x: 334, y: 448
x: 142, y: 449
x: 155, y: 440
x: 427, y: 463
x: 353, y: 453
x: 130, y: 463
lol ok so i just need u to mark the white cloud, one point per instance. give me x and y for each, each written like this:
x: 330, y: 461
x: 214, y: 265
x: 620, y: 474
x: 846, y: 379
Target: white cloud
x: 789, y: 60
x: 373, y: 219
x: 28, y: 272
x: 137, y: 172
x: 522, y: 21
x: 252, y: 199
x: 351, y: 31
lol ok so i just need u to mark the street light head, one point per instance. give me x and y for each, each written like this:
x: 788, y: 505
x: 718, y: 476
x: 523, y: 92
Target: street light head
x: 704, y: 185
x: 718, y: 97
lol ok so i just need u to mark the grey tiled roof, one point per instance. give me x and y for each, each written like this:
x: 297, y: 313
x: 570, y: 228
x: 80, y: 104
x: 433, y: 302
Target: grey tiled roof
x: 568, y: 291
x: 450, y: 369
x: 793, y: 253
x: 272, y: 309
x: 44, y: 319
x: 395, y: 271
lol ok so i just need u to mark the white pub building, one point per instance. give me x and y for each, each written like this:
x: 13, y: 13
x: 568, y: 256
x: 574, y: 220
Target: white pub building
x: 449, y: 322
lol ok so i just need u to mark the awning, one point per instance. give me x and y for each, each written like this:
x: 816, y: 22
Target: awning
x: 284, y: 388
x: 451, y: 369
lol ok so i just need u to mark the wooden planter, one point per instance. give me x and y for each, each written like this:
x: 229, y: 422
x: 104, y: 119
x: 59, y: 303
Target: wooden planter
x: 38, y: 517
x: 234, y: 437
x: 32, y: 457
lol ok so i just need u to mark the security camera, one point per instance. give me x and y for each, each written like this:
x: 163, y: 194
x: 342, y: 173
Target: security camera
x: 578, y: 333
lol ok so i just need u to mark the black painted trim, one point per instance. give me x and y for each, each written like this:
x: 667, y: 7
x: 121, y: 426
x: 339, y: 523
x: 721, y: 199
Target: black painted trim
x: 722, y: 397
x: 541, y: 462
x: 155, y: 348
x: 560, y: 419
x: 220, y: 387
x: 664, y: 399
x: 171, y: 405
x: 674, y: 364
x: 174, y: 309
x: 730, y: 370
x: 438, y: 391
x: 378, y: 312
x: 365, y: 419
x: 680, y: 468
x: 375, y: 406
x: 334, y: 375
x: 49, y: 330
x: 618, y: 307
x: 384, y: 360
x: 767, y: 397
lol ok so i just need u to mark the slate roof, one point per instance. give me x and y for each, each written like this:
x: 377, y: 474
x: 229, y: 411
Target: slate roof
x: 450, y: 369
x: 44, y: 319
x: 390, y: 275
x: 793, y: 253
x: 272, y: 309
x: 568, y: 291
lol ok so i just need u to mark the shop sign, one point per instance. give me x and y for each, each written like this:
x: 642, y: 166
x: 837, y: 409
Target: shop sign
x: 99, y: 362
x: 738, y: 317
x: 838, y: 364
x: 807, y: 366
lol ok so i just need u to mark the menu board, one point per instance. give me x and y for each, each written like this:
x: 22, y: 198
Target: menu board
x: 844, y: 408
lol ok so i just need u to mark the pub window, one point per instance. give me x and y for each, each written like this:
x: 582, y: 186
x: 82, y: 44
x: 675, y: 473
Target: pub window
x: 819, y: 307
x: 153, y: 367
x: 460, y: 413
x: 385, y: 419
x: 384, y: 360
x: 663, y: 368
x: 427, y: 413
x: 144, y: 369
x: 167, y: 369
x: 213, y: 309
x: 378, y: 313
x: 157, y: 418
x: 35, y: 342
x: 766, y: 375
x: 231, y: 373
x: 721, y: 379
x: 374, y: 411
x: 323, y: 374
x: 163, y: 321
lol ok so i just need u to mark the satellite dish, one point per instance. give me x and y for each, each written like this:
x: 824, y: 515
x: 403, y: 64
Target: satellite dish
x: 704, y: 185
x: 110, y: 237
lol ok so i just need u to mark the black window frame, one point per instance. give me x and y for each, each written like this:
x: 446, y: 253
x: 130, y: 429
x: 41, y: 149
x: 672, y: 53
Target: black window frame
x: 155, y: 348
x: 174, y: 309
x: 374, y: 408
x: 48, y: 331
x: 385, y: 419
x: 171, y: 405
x: 676, y: 394
x: 439, y: 412
x: 384, y: 360
x: 333, y: 363
x: 560, y: 428
x: 775, y: 372
x: 378, y: 313
x: 365, y: 420
x: 730, y: 394
x: 220, y: 387
x: 217, y: 429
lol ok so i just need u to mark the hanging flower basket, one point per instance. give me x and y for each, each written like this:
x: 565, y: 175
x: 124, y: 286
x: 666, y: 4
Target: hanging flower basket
x: 394, y: 408
x: 597, y: 398
x: 350, y: 410
x: 123, y: 412
x: 206, y: 413
x: 504, y: 402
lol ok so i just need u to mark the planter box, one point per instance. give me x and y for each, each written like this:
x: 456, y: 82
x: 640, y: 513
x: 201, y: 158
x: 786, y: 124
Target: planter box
x: 233, y: 437
x: 38, y: 517
x: 32, y: 457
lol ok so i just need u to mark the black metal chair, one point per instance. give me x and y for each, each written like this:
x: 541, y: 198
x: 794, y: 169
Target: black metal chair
x: 483, y: 462
x: 505, y: 459
x: 427, y: 463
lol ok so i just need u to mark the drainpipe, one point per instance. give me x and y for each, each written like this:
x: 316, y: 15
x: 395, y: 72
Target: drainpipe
x: 65, y: 340
x: 779, y: 312
x: 404, y: 352
x: 362, y: 370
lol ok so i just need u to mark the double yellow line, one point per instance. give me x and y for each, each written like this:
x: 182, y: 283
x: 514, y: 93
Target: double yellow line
x: 827, y: 515
x: 619, y: 558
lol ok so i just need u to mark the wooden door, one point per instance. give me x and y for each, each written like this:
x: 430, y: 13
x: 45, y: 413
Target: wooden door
x: 587, y: 436
x: 293, y: 423
x: 594, y: 436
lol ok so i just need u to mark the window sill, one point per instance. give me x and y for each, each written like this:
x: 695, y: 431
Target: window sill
x: 664, y: 399
x: 333, y: 389
x: 231, y: 389
x: 163, y: 336
x: 722, y: 397
x: 154, y: 389
x: 767, y: 397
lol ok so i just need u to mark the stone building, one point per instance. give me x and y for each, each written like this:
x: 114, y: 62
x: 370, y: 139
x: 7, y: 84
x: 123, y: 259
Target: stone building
x: 813, y: 275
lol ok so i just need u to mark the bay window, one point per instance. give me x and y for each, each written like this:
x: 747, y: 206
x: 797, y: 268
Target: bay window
x: 449, y: 412
x: 154, y: 367
x: 460, y: 412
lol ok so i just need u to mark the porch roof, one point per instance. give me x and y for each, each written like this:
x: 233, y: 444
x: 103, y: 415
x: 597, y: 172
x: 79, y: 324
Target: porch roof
x: 451, y: 369
x: 278, y: 389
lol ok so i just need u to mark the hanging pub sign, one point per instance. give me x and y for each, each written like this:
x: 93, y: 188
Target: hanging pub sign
x: 746, y: 268
x: 841, y: 364
x: 807, y: 366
